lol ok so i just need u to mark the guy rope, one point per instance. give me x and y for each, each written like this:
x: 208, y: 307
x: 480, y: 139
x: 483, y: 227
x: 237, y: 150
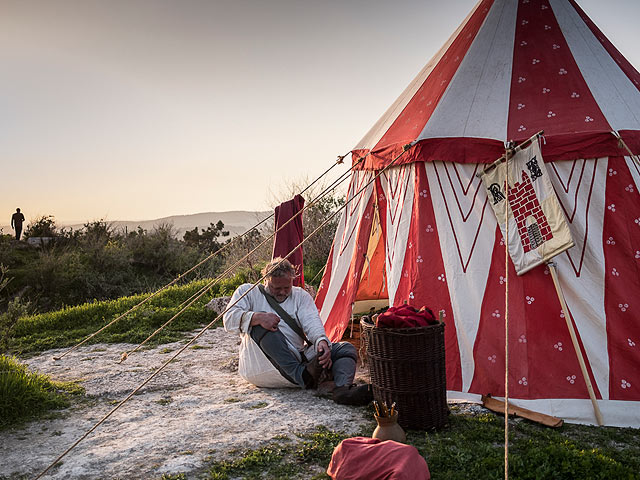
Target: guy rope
x: 339, y: 161
x: 196, y: 296
x: 332, y: 186
x: 204, y: 329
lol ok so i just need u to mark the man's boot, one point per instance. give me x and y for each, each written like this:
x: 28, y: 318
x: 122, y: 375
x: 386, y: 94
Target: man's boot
x: 311, y: 374
x: 353, y: 394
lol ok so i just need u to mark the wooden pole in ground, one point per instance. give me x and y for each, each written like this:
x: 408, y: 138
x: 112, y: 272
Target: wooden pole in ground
x: 574, y: 340
x: 508, y: 153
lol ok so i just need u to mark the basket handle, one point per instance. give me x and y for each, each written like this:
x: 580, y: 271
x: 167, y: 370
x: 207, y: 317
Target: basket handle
x: 441, y: 316
x: 366, y: 320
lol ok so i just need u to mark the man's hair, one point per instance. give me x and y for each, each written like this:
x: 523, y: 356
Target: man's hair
x: 279, y: 268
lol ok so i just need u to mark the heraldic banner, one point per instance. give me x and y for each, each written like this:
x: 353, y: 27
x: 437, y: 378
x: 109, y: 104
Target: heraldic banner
x: 538, y: 229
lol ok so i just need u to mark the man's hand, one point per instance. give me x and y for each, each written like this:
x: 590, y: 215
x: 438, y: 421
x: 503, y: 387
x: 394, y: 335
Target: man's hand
x: 268, y: 321
x: 324, y: 354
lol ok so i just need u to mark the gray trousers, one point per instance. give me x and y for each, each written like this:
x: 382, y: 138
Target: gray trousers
x: 276, y: 348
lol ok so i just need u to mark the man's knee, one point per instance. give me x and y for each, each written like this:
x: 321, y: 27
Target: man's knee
x: 270, y: 342
x: 344, y: 350
x: 257, y: 333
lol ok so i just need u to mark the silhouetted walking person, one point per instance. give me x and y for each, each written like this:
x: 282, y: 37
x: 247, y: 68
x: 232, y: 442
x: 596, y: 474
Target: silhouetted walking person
x: 16, y: 223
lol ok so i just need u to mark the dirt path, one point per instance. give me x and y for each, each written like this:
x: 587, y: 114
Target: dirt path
x: 197, y: 409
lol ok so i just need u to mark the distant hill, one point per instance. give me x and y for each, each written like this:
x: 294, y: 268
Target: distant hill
x: 236, y: 222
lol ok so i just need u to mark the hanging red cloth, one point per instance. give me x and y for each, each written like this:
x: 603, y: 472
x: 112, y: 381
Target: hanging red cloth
x: 361, y: 457
x: 291, y: 235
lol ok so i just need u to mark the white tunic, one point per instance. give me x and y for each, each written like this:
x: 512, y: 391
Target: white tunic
x: 253, y: 366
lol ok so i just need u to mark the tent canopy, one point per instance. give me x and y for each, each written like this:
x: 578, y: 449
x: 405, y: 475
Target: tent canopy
x: 512, y: 68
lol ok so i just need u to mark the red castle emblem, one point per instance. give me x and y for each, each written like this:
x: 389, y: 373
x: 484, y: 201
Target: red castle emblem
x: 532, y: 223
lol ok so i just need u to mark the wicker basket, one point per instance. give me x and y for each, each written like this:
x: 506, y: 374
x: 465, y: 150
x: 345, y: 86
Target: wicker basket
x: 407, y: 366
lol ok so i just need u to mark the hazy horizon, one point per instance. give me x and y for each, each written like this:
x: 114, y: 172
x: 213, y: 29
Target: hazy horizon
x: 153, y: 108
x: 76, y: 222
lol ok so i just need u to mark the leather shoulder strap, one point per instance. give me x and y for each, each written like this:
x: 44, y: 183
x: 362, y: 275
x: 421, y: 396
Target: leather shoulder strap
x: 282, y: 313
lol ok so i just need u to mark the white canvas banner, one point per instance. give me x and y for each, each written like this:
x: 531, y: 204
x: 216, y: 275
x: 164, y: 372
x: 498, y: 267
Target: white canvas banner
x: 538, y: 229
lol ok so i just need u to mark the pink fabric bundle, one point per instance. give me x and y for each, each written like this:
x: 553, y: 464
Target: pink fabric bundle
x: 373, y: 459
x: 406, y: 316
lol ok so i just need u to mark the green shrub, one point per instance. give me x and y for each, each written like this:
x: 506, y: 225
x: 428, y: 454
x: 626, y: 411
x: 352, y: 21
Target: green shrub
x: 25, y: 395
x: 159, y: 252
x: 97, y: 262
x: 313, y: 272
x: 16, y: 309
x: 207, y: 241
x: 45, y: 226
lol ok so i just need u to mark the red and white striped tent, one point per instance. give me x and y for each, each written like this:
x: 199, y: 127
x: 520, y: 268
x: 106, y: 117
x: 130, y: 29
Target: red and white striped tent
x: 424, y: 231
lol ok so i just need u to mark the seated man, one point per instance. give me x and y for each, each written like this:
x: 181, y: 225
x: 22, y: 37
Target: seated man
x: 280, y: 352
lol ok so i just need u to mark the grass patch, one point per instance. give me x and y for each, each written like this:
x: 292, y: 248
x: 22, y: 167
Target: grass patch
x: 258, y: 405
x: 472, y: 447
x: 25, y: 395
x: 177, y: 476
x: 306, y: 459
x: 68, y: 326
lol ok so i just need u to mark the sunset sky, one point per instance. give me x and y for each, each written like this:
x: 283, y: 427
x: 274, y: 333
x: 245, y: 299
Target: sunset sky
x: 139, y: 109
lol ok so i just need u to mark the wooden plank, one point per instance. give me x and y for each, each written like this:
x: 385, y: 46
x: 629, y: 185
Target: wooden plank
x: 498, y: 407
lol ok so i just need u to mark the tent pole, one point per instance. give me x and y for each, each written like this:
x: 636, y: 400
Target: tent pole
x: 574, y: 340
x: 508, y: 153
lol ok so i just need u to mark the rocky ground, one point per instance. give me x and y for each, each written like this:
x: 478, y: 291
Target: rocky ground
x: 196, y: 410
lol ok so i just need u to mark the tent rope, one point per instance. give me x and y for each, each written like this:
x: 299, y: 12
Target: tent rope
x: 197, y: 336
x: 195, y: 297
x: 154, y: 294
x: 339, y: 161
x: 332, y: 186
x: 320, y: 272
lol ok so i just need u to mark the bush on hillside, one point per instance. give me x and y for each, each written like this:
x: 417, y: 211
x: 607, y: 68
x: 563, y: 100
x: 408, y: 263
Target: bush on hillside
x: 44, y: 226
x: 249, y: 246
x: 160, y: 252
x: 207, y: 241
x: 97, y: 262
x: 4, y: 280
x: 15, y: 310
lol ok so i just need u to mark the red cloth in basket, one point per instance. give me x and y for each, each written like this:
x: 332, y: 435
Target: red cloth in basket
x: 406, y: 316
